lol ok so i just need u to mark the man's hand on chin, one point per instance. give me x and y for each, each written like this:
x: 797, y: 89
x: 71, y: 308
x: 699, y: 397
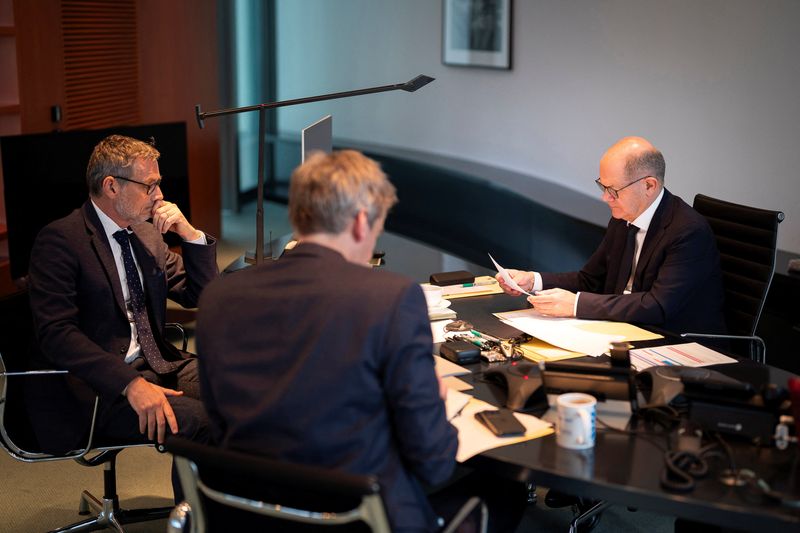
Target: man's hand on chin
x: 168, y: 217
x: 151, y: 404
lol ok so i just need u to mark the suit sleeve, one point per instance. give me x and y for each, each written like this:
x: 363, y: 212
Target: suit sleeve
x: 188, y: 274
x: 53, y: 279
x: 591, y: 278
x: 427, y: 441
x: 685, y: 264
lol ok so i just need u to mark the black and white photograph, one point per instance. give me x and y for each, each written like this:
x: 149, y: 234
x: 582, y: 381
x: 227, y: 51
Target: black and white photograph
x: 477, y: 33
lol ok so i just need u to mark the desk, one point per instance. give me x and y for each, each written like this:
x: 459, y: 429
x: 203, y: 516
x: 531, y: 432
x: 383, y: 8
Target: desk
x: 624, y: 469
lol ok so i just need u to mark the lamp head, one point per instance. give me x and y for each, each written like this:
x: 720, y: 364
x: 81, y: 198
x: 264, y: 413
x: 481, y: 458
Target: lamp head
x: 416, y: 83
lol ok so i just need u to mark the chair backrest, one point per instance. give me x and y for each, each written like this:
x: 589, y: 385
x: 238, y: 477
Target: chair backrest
x: 224, y: 487
x: 16, y: 335
x: 747, y: 240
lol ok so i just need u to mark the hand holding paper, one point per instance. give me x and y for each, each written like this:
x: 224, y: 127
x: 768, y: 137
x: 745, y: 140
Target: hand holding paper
x: 554, y: 302
x: 505, y: 276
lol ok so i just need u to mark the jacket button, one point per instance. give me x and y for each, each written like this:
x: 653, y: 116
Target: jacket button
x: 123, y: 350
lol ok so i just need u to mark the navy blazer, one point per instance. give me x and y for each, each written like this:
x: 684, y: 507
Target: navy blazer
x: 677, y: 284
x: 80, y: 318
x: 315, y: 360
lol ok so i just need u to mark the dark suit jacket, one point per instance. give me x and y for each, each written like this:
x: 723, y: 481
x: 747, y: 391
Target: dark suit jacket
x: 80, y: 318
x: 677, y: 285
x: 315, y: 360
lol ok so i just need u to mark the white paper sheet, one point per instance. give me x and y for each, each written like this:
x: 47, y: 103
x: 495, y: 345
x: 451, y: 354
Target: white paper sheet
x: 474, y: 437
x: 568, y: 333
x: 689, y: 354
x: 507, y: 277
x: 446, y: 368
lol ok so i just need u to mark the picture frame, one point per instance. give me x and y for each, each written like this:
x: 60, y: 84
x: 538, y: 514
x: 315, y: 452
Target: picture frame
x: 477, y: 33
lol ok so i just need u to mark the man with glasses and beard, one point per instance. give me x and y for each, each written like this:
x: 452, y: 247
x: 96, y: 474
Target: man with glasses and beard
x: 99, y: 280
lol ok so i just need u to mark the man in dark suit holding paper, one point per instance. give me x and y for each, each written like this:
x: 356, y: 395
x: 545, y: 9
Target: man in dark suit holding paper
x: 657, y: 265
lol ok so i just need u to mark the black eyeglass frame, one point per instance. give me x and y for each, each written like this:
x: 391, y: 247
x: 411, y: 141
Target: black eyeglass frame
x: 615, y: 192
x: 150, y: 186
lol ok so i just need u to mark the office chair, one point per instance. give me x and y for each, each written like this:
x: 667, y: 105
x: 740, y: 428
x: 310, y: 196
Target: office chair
x: 747, y: 241
x: 17, y: 436
x: 223, y: 487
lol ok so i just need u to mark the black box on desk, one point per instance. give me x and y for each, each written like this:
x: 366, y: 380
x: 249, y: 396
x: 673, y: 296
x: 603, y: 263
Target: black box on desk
x: 745, y: 420
x: 460, y: 352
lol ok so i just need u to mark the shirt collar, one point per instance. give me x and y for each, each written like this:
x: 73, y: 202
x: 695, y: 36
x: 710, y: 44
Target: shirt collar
x: 109, y: 226
x: 643, y: 221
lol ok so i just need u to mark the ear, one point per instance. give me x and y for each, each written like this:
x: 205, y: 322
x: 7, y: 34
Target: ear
x: 109, y: 186
x: 360, y: 226
x: 651, y: 185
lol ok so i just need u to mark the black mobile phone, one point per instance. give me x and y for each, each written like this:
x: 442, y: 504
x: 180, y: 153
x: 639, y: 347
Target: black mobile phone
x: 501, y: 422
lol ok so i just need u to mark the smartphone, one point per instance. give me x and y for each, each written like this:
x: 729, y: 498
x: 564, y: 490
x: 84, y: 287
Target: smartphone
x: 501, y: 422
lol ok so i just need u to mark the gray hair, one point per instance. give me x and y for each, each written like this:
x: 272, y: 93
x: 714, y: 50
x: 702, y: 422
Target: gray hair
x: 114, y: 156
x: 646, y: 163
x: 328, y: 190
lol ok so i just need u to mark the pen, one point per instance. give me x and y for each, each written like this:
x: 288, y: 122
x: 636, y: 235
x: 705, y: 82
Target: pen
x: 458, y: 413
x: 480, y: 283
x: 477, y: 342
x: 484, y: 336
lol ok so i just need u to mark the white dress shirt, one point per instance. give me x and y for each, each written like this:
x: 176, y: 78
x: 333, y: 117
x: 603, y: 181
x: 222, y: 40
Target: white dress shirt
x: 110, y: 227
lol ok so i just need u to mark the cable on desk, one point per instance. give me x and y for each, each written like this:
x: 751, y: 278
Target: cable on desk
x: 639, y: 434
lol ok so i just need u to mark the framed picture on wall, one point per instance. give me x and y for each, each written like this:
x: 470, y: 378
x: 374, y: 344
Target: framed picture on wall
x: 476, y: 33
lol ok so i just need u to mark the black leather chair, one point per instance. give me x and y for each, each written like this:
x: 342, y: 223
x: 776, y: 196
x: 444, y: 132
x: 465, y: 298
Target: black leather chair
x: 17, y: 436
x: 224, y: 487
x: 747, y: 240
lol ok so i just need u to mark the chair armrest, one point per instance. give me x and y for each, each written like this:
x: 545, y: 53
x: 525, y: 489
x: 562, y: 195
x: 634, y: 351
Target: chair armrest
x: 758, y: 349
x: 179, y: 328
x: 465, y: 511
x: 15, y: 451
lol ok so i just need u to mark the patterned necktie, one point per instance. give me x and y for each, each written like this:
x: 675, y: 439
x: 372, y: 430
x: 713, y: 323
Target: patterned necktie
x: 626, y: 264
x: 146, y: 340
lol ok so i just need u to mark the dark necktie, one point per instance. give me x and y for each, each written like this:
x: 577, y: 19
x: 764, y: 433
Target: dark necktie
x: 626, y: 263
x: 146, y: 340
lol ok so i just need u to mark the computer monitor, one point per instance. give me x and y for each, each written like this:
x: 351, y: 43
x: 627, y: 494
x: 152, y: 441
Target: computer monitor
x: 44, y: 178
x: 317, y: 137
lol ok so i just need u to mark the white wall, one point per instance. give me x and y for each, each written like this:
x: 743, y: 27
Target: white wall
x: 715, y: 84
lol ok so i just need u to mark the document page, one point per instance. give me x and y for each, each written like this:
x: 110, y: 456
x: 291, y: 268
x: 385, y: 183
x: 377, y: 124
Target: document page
x: 590, y: 337
x: 475, y: 438
x: 689, y: 354
x: 507, y: 277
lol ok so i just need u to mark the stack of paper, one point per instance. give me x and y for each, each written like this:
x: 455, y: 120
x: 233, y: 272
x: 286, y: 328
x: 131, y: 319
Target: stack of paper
x: 483, y: 285
x: 588, y: 337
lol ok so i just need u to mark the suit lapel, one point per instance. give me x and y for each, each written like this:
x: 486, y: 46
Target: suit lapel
x: 97, y: 236
x: 658, y: 228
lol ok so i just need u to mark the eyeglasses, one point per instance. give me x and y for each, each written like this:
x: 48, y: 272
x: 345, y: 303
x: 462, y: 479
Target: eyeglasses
x: 615, y: 192
x: 150, y: 186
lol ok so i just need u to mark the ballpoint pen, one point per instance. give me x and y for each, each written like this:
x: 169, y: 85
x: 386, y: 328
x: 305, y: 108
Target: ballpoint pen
x: 480, y: 343
x: 458, y: 413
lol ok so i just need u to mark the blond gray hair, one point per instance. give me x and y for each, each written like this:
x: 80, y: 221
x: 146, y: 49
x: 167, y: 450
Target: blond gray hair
x: 328, y: 190
x: 115, y: 156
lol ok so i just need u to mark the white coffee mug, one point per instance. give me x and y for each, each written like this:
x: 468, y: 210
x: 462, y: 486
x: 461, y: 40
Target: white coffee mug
x: 433, y: 295
x: 577, y: 413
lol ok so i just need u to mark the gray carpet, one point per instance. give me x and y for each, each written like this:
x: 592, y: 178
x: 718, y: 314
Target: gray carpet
x: 42, y: 496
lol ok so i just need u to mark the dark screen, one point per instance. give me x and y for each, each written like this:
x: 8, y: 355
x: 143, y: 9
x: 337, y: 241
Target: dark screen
x: 45, y: 178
